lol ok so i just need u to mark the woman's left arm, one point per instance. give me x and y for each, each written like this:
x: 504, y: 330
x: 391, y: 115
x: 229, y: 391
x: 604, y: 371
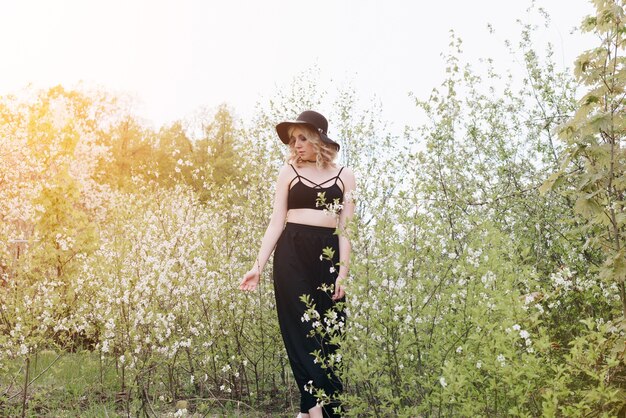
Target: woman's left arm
x: 345, y: 216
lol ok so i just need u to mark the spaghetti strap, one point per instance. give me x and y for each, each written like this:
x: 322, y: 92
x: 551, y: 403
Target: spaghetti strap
x: 316, y: 185
x: 343, y: 186
x: 296, y: 177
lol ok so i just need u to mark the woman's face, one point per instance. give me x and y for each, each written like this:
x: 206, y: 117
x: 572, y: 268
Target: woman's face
x: 304, y: 148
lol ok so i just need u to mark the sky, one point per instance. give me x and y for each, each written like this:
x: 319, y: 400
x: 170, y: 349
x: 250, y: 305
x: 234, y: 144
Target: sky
x: 176, y: 56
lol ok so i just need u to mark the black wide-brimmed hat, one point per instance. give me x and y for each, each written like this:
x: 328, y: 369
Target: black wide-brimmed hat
x: 309, y: 118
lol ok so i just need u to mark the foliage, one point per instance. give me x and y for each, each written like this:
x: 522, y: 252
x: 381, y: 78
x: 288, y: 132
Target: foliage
x: 474, y: 290
x: 591, y: 174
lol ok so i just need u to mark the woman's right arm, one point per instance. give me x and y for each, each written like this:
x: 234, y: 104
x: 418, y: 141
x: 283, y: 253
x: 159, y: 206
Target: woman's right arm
x: 273, y: 231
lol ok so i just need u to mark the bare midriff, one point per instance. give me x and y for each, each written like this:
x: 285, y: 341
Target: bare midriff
x: 312, y: 217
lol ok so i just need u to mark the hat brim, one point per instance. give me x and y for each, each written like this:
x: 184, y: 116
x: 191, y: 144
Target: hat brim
x: 283, y: 132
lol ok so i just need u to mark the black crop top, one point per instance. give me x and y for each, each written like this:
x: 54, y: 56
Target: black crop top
x: 302, y: 196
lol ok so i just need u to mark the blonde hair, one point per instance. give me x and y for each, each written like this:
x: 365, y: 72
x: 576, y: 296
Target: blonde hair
x: 325, y: 154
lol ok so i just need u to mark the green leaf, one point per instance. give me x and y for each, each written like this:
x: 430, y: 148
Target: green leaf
x: 550, y: 181
x: 587, y: 207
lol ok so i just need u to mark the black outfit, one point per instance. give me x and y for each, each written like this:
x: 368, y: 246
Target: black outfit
x: 299, y: 270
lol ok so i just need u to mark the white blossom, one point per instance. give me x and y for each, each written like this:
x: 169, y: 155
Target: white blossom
x: 501, y: 359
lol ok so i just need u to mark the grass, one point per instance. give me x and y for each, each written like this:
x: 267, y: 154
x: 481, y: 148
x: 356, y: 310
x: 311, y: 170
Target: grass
x: 70, y: 384
x: 79, y: 385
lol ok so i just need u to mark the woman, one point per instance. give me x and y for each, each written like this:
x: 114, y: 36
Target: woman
x: 311, y: 195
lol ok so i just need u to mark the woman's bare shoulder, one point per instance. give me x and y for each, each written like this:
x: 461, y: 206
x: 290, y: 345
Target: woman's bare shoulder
x: 286, y: 172
x: 347, y: 178
x: 347, y: 172
x: 286, y: 168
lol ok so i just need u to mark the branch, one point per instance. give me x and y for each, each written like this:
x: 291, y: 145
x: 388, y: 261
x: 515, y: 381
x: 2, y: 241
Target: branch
x: 37, y: 377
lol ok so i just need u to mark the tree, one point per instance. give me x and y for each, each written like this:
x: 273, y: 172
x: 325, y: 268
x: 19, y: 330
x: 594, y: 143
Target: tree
x: 132, y: 150
x: 595, y: 158
x: 593, y: 174
x: 173, y: 155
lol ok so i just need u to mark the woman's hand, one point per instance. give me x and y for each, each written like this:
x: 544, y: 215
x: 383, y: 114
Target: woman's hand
x: 250, y: 280
x: 339, y: 289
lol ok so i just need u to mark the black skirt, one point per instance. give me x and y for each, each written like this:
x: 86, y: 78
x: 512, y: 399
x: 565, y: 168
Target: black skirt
x: 299, y: 270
